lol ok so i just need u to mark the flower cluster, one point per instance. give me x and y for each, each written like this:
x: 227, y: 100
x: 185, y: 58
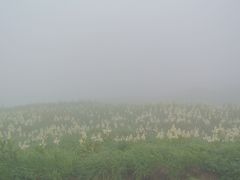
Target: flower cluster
x: 45, y: 125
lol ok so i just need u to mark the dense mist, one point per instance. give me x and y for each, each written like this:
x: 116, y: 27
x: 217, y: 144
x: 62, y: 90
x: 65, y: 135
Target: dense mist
x: 55, y: 50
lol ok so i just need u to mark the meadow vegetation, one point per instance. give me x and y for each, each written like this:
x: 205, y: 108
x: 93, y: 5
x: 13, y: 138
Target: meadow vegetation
x: 120, y: 141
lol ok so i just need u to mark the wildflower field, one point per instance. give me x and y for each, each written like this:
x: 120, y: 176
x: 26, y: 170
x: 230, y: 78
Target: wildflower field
x: 90, y: 140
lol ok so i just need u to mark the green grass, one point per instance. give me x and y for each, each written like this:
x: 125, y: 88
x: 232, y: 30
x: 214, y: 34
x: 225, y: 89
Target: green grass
x: 169, y: 159
x: 120, y: 142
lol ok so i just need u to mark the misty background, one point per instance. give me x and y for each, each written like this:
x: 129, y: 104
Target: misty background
x: 128, y: 50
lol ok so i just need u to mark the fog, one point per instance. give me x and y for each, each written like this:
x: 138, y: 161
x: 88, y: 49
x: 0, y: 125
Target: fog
x: 55, y: 50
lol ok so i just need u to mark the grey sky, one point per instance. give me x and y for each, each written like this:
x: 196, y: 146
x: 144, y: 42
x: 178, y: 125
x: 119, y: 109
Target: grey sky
x: 53, y: 50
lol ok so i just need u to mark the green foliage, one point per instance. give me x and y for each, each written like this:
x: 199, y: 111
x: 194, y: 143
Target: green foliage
x: 173, y: 159
x: 88, y: 150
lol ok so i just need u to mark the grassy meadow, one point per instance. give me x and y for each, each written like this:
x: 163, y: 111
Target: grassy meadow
x: 90, y: 140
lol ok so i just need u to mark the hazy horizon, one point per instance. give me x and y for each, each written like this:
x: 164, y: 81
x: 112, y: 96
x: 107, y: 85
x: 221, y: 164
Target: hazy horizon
x: 106, y: 50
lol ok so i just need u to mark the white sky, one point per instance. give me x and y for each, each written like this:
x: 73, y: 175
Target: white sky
x: 53, y: 50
